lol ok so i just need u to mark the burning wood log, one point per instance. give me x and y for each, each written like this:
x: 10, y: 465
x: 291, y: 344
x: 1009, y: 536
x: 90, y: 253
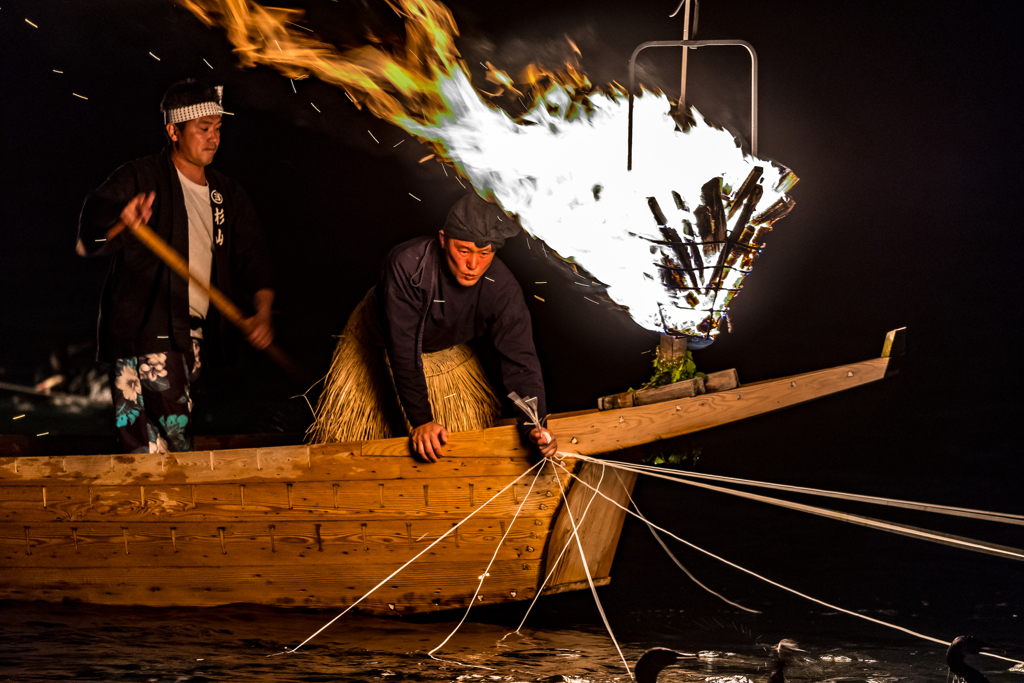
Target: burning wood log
x: 746, y: 189
x: 775, y: 211
x: 711, y: 196
x: 679, y: 248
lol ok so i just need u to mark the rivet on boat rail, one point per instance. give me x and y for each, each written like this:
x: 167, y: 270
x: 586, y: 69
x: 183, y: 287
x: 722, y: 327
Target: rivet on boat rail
x: 530, y: 549
x: 526, y: 566
x: 220, y: 532
x: 622, y: 419
x: 174, y: 538
x: 849, y: 373
x: 678, y: 408
x: 241, y: 495
x: 739, y: 397
x: 513, y: 592
x: 574, y: 440
x: 391, y: 606
x: 74, y: 537
x: 792, y: 384
x: 44, y: 496
x: 537, y: 522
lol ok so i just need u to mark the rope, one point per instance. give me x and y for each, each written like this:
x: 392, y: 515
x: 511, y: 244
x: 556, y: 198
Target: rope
x: 1003, y: 517
x: 679, y: 564
x: 586, y: 566
x: 769, y: 581
x: 554, y: 566
x: 418, y: 555
x: 892, y: 527
x: 489, y: 564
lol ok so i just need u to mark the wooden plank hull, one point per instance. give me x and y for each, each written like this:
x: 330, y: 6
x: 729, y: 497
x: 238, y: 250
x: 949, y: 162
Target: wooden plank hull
x: 323, y: 525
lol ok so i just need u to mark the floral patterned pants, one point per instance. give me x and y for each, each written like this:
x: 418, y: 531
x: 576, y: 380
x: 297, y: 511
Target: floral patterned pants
x: 152, y: 400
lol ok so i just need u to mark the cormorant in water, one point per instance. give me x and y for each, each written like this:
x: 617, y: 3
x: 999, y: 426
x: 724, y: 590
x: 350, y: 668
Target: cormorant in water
x: 782, y: 653
x: 955, y: 659
x: 654, y: 660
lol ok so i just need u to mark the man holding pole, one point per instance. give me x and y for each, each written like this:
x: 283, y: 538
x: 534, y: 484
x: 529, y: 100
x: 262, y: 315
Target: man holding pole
x: 156, y: 328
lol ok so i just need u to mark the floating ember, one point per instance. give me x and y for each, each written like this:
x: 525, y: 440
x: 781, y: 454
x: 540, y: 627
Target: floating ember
x: 559, y: 166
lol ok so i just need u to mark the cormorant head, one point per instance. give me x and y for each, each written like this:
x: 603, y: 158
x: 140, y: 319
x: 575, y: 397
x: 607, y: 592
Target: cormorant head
x: 654, y: 660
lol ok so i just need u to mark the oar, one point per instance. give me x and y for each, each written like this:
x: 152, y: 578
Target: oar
x: 223, y: 304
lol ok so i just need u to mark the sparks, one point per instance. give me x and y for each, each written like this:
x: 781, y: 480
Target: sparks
x: 102, y: 240
x: 18, y: 417
x: 43, y: 434
x: 30, y: 24
x: 316, y: 107
x: 162, y: 336
x: 292, y: 81
x: 449, y: 395
x: 81, y: 96
x: 373, y: 136
x: 154, y: 56
x: 591, y: 300
x: 541, y: 283
x: 399, y: 142
x: 427, y: 158
x: 57, y: 72
x: 487, y: 278
x: 537, y: 298
x: 460, y: 183
x: 415, y: 197
x: 438, y: 301
x: 278, y: 46
x: 302, y: 27
x: 207, y: 63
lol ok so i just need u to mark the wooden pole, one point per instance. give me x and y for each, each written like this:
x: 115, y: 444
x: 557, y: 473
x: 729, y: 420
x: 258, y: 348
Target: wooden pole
x: 686, y: 52
x: 228, y: 309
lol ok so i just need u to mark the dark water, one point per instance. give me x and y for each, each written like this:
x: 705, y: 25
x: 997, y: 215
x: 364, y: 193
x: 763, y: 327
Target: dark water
x: 51, y: 642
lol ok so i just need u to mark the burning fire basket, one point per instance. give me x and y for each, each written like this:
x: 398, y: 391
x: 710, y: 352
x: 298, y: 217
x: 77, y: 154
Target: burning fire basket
x: 715, y: 250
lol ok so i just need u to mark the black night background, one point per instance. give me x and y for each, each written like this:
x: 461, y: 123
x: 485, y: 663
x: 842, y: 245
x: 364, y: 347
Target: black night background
x: 901, y: 119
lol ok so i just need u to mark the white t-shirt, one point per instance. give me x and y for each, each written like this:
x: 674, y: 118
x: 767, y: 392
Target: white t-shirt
x: 200, y: 245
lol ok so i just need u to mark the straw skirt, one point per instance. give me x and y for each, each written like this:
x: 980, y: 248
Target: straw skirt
x: 359, y: 401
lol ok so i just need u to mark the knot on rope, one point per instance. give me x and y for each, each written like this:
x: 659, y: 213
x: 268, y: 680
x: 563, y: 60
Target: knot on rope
x: 525, y: 405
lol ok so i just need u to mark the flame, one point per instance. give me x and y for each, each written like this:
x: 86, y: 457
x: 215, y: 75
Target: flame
x: 672, y: 247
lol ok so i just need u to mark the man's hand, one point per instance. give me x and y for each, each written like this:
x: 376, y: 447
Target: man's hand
x: 545, y: 442
x: 260, y: 330
x: 138, y: 210
x: 427, y: 440
x: 259, y: 327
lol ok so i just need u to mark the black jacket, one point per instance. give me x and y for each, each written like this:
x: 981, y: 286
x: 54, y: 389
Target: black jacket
x: 144, y: 306
x: 422, y: 308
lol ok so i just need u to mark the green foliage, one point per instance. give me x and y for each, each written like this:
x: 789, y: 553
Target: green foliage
x: 678, y: 458
x: 671, y: 371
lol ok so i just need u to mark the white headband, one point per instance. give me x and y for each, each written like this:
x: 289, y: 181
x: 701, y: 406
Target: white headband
x: 196, y: 111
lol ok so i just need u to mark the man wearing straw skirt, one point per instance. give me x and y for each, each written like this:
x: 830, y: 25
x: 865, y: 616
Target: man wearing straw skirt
x: 155, y: 328
x: 403, y: 364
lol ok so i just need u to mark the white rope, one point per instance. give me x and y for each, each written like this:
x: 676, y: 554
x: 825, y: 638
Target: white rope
x: 665, y: 547
x: 1004, y: 517
x: 484, y: 576
x: 418, y: 555
x: 775, y: 583
x: 583, y: 557
x: 554, y: 566
x: 892, y: 527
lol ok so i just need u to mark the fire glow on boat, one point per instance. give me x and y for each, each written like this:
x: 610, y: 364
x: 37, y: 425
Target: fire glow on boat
x: 672, y: 248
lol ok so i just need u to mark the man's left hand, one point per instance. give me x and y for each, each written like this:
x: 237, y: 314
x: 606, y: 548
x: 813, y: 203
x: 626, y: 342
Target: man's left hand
x: 545, y: 442
x: 261, y: 330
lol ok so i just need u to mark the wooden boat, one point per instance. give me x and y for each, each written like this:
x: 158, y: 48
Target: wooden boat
x: 321, y: 525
